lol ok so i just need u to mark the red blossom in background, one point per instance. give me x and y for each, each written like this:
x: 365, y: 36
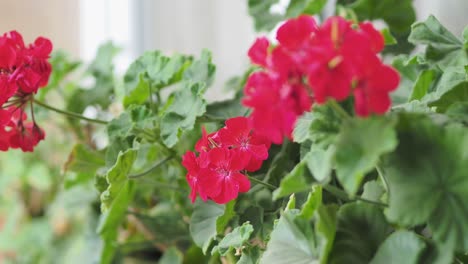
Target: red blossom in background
x: 23, y: 71
x: 218, y: 171
x: 313, y: 64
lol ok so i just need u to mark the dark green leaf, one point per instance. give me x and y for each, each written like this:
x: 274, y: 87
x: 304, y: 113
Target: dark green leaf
x: 400, y: 247
x: 361, y: 228
x: 421, y: 87
x: 320, y: 162
x: 427, y: 179
x: 359, y: 146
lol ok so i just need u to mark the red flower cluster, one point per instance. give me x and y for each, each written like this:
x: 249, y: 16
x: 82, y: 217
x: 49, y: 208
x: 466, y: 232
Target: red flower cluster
x: 23, y: 70
x: 217, y: 172
x: 314, y: 63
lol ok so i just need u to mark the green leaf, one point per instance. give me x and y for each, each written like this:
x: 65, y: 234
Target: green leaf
x: 388, y: 37
x: 201, y: 70
x: 398, y: 15
x: 139, y: 94
x: 310, y: 7
x: 110, y: 221
x: 325, y: 226
x: 294, y: 182
x: 85, y: 162
x: 264, y: 20
x: 225, y: 109
x: 172, y: 256
x: 223, y: 220
x: 458, y: 111
x: 314, y: 200
x: 204, y: 222
x: 158, y: 70
x: 181, y: 112
x: 422, y: 85
x: 359, y: 146
x: 291, y: 203
x: 427, y: 179
x: 400, y: 247
x: 373, y: 191
x: 249, y: 256
x: 116, y: 178
x: 320, y: 162
x: 289, y: 243
x: 84, y: 159
x: 360, y: 230
x: 320, y: 126
x: 443, y: 48
x: 234, y: 240
x: 452, y: 88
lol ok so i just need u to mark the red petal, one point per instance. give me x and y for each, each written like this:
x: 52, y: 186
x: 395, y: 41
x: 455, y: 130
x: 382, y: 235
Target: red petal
x: 259, y: 51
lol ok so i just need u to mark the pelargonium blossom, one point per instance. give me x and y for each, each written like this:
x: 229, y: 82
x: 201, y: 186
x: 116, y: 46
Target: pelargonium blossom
x: 313, y: 64
x: 23, y: 71
x: 218, y: 172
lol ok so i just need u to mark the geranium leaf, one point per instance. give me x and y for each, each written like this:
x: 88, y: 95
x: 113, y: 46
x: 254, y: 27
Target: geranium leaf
x: 181, y: 112
x: 359, y: 146
x: 234, y: 240
x: 443, y: 48
x: 400, y: 247
x: 203, y: 222
x: 116, y: 178
x: 428, y: 179
x: 289, y: 242
x: 360, y: 230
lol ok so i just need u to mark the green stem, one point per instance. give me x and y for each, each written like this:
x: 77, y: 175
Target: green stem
x: 381, y: 175
x: 339, y: 109
x: 343, y: 195
x: 262, y: 183
x: 70, y: 114
x: 155, y: 166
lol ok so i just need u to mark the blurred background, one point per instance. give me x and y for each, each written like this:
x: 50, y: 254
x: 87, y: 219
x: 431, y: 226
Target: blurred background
x: 185, y: 26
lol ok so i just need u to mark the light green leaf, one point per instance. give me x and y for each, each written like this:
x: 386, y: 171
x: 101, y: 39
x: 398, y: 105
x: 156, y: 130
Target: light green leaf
x: 422, y: 85
x: 400, y: 247
x: 360, y: 230
x: 172, y: 256
x: 290, y: 243
x: 314, y: 200
x: 427, y: 178
x: 359, y: 146
x: 181, y: 112
x: 320, y: 126
x: 373, y: 191
x: 85, y: 162
x: 201, y: 70
x: 443, y: 47
x: 310, y: 7
x: 234, y: 240
x: 291, y: 203
x: 452, y: 88
x: 203, y: 222
x: 325, y: 226
x: 320, y: 162
x: 139, y: 94
x: 388, y: 37
x: 116, y: 178
x: 294, y: 182
x: 111, y: 219
x: 259, y: 10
